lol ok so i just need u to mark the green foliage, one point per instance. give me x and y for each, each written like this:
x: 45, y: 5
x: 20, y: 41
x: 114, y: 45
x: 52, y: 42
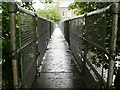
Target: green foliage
x: 83, y: 7
x: 5, y: 31
x: 6, y: 28
x: 7, y: 80
x: 51, y: 14
x: 6, y: 50
x: 26, y: 5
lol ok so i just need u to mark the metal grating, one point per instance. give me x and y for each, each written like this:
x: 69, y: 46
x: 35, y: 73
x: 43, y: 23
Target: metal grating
x: 43, y: 37
x: 76, y: 33
x: 88, y: 38
x: 27, y: 48
x: 96, y: 29
x: 95, y: 35
x: 45, y: 29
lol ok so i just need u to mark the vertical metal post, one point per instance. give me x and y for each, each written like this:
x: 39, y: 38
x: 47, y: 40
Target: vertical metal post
x: 36, y: 42
x: 115, y: 12
x: 84, y: 42
x: 64, y: 29
x: 50, y: 28
x: 68, y: 32
x: 35, y: 33
x: 12, y: 11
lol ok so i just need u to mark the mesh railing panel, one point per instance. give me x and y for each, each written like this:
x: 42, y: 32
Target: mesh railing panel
x: 43, y: 37
x: 88, y: 40
x: 76, y: 30
x: 45, y: 29
x: 96, y: 29
x: 26, y: 29
x: 27, y: 48
x: 96, y: 34
x: 76, y: 33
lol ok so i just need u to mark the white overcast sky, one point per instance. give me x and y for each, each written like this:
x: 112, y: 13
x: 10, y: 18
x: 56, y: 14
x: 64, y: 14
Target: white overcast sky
x: 38, y: 4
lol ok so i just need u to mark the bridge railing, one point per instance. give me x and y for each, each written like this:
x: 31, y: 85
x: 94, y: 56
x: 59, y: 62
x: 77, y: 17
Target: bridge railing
x: 92, y: 39
x: 45, y: 30
x: 29, y: 37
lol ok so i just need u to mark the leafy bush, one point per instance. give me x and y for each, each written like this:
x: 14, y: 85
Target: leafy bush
x: 51, y: 14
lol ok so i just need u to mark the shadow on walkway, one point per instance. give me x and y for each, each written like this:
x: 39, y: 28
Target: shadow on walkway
x: 59, y: 69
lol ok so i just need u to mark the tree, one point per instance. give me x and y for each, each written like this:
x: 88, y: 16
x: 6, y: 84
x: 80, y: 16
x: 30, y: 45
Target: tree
x: 51, y: 14
x: 83, y: 7
x: 26, y: 5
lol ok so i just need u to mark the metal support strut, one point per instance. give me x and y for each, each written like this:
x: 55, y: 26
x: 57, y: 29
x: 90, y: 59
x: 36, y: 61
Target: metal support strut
x: 115, y: 13
x: 12, y: 11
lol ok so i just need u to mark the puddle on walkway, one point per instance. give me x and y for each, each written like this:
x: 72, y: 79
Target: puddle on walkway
x: 58, y: 69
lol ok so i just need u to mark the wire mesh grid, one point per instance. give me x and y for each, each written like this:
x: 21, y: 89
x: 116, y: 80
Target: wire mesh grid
x: 87, y: 34
x: 27, y: 48
x: 76, y: 33
x: 95, y: 32
x: 96, y: 29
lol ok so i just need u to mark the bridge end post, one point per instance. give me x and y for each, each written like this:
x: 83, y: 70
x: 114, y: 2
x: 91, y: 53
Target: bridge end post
x: 115, y: 12
x: 12, y: 12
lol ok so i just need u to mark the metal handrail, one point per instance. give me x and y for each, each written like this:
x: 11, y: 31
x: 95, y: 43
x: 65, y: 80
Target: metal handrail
x: 114, y: 10
x: 17, y: 55
x: 103, y: 10
x: 20, y: 9
x: 45, y: 19
x: 80, y: 16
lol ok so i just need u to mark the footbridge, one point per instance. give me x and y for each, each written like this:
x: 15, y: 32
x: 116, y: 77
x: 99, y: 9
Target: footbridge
x: 79, y: 52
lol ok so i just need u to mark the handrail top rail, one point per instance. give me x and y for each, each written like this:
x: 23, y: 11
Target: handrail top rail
x: 32, y: 13
x: 45, y: 19
x: 23, y: 10
x: 20, y: 9
x: 99, y: 11
x: 80, y: 16
x: 102, y: 10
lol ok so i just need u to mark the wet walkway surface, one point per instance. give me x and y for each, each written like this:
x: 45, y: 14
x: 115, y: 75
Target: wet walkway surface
x: 59, y: 69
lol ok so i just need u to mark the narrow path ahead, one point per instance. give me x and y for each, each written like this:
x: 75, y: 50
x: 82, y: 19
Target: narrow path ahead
x: 59, y: 69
